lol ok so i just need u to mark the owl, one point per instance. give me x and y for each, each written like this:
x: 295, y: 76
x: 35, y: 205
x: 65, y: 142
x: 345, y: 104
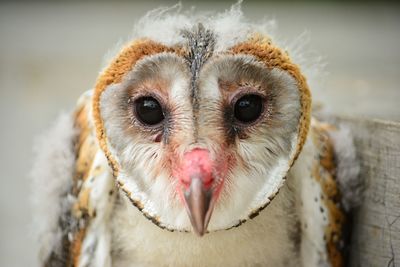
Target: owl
x: 196, y: 147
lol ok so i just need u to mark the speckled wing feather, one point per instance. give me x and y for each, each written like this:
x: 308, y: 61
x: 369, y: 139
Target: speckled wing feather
x: 323, y: 171
x: 85, y: 240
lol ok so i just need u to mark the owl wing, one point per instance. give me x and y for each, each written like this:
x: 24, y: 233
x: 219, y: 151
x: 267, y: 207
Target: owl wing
x: 325, y: 221
x: 83, y: 198
x: 324, y: 172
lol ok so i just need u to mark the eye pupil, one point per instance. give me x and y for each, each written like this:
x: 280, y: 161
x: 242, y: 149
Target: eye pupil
x: 248, y: 108
x: 148, y: 110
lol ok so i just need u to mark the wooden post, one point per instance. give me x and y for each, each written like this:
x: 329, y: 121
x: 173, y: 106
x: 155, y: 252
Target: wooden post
x: 376, y: 225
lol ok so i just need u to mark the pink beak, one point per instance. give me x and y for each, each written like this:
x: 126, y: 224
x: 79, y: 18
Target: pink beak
x: 197, y: 190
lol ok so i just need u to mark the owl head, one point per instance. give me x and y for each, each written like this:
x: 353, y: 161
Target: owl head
x: 201, y: 119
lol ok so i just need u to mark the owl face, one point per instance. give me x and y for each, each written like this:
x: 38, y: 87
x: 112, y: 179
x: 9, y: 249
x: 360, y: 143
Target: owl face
x: 199, y: 139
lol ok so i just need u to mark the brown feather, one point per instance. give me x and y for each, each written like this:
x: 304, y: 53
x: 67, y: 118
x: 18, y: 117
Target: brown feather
x: 324, y: 172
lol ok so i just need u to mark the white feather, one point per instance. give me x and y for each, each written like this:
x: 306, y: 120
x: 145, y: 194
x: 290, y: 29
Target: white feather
x: 165, y: 24
x: 52, y: 179
x: 348, y: 167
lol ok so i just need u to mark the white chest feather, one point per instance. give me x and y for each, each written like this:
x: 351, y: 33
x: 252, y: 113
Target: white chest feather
x: 264, y: 241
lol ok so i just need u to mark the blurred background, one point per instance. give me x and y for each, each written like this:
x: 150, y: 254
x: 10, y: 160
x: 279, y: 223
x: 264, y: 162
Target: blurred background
x: 50, y: 52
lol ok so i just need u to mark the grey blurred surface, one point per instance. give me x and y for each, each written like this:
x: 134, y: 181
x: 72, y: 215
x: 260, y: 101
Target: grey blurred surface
x: 51, y: 53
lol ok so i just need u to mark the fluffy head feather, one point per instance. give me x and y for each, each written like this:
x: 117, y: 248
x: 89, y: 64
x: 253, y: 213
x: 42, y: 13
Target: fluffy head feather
x: 164, y: 25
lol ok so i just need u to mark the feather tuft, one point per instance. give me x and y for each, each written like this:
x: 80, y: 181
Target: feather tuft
x: 348, y: 167
x: 165, y: 25
x: 51, y: 182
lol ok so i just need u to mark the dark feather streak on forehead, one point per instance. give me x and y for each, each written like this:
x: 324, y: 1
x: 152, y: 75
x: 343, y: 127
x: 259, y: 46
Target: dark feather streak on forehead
x: 200, y: 47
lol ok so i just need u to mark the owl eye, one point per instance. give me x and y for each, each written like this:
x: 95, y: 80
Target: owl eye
x: 148, y: 110
x: 248, y: 108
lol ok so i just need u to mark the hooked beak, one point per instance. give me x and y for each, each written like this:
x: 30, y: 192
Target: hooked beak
x: 199, y: 205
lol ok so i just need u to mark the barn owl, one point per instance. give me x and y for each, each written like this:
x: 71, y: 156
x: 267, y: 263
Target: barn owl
x: 196, y: 147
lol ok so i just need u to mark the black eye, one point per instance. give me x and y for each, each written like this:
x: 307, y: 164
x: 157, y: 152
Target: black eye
x: 148, y: 110
x: 248, y: 108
